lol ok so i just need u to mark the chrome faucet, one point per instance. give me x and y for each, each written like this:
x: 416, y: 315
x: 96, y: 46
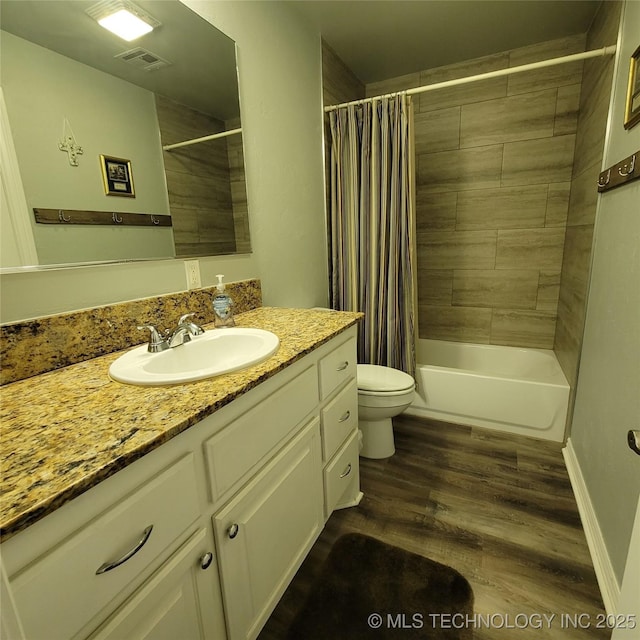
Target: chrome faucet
x: 181, y: 334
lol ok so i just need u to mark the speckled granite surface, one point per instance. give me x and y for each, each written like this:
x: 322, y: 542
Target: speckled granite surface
x: 66, y: 430
x: 35, y: 346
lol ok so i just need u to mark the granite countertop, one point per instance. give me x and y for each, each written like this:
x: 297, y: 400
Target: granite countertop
x: 66, y: 430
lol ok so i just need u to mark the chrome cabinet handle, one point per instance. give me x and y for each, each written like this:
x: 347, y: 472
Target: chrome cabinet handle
x: 233, y: 530
x: 345, y: 417
x: 107, y: 566
x: 343, y: 366
x: 346, y: 472
x: 206, y: 560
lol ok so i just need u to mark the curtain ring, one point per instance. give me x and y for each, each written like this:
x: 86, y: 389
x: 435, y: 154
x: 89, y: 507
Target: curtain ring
x: 117, y: 219
x: 62, y: 217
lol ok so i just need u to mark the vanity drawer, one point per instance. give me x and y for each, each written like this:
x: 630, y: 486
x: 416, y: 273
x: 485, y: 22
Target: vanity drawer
x: 337, y: 367
x: 340, y: 473
x: 255, y: 435
x: 59, y: 594
x: 339, y: 419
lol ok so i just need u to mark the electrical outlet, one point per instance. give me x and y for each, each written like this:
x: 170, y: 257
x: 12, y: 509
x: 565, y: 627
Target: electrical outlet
x: 192, y: 267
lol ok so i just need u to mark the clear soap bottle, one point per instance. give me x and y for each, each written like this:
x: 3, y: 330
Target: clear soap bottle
x: 223, y: 306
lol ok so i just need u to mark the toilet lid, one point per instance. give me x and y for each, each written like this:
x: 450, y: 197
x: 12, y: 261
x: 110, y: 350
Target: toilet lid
x: 372, y: 377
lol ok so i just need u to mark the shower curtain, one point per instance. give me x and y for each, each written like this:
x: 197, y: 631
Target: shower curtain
x: 371, y: 226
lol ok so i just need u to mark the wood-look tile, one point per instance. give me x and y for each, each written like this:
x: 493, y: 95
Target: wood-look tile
x: 519, y: 117
x: 496, y: 507
x: 567, y: 108
x: 435, y: 211
x: 457, y: 250
x: 339, y: 83
x: 435, y: 286
x: 584, y: 197
x: 604, y: 28
x: 523, y: 328
x: 557, y: 204
x: 596, y: 82
x: 548, y: 291
x: 510, y: 288
x: 530, y: 248
x: 538, y: 161
x: 392, y: 85
x: 474, y: 168
x: 548, y: 77
x: 437, y: 130
x: 591, y: 135
x: 465, y: 93
x: 462, y: 324
x: 505, y: 208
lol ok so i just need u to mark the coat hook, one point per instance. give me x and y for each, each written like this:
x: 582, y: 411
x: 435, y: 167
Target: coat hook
x: 607, y: 179
x: 632, y: 167
x: 116, y: 218
x: 62, y: 217
x: 154, y: 219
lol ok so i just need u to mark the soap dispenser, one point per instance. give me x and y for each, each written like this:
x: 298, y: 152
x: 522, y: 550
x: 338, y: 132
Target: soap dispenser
x: 222, y: 306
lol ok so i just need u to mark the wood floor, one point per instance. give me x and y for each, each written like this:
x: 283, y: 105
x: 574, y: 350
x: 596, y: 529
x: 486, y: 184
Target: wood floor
x: 497, y: 507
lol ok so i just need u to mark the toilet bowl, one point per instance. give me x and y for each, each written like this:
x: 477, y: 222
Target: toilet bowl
x: 383, y: 393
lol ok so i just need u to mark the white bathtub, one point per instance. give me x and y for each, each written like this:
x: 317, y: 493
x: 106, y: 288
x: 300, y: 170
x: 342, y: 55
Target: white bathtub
x: 506, y: 388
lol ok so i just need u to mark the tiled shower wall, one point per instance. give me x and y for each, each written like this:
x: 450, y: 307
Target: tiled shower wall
x: 493, y: 173
x: 198, y: 182
x: 592, y: 125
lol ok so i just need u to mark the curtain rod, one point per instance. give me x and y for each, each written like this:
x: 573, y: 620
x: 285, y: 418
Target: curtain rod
x: 213, y: 136
x: 605, y: 51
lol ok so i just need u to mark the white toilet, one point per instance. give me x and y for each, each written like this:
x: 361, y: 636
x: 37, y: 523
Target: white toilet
x: 383, y: 393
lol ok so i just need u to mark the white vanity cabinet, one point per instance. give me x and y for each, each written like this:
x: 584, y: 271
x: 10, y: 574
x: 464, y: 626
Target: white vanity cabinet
x: 199, y: 538
x: 339, y: 420
x: 181, y: 600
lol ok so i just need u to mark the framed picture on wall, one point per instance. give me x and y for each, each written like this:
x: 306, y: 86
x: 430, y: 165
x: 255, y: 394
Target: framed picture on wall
x: 117, y: 176
x: 632, y: 111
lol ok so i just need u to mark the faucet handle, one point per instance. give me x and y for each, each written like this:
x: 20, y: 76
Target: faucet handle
x: 194, y: 329
x: 156, y: 342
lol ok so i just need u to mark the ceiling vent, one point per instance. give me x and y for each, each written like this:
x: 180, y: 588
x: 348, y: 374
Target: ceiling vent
x: 143, y: 59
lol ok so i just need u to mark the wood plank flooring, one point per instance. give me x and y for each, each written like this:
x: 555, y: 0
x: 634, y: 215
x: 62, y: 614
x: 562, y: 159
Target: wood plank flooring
x: 497, y: 507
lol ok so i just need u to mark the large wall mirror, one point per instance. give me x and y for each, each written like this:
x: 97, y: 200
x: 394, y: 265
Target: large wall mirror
x: 98, y: 126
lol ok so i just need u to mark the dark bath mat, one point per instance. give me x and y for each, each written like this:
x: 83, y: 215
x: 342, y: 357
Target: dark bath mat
x: 369, y: 589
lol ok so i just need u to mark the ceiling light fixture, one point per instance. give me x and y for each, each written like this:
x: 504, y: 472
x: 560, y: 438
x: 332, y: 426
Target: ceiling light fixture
x: 124, y: 18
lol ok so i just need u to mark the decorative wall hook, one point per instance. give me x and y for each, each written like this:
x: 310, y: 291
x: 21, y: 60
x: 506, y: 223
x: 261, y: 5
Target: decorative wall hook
x: 604, y: 180
x: 623, y: 171
x: 68, y: 144
x: 618, y: 174
x: 62, y: 217
x: 154, y: 219
x: 116, y: 218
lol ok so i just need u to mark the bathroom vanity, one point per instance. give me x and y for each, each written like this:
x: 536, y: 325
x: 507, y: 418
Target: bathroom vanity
x: 182, y: 511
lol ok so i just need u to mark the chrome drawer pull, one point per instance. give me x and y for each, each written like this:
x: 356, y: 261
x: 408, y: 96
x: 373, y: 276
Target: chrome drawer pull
x: 107, y: 566
x: 343, y: 366
x: 346, y: 472
x: 345, y: 417
x: 233, y: 530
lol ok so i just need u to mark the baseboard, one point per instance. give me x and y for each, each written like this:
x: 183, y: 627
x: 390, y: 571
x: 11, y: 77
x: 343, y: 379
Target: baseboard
x: 605, y: 575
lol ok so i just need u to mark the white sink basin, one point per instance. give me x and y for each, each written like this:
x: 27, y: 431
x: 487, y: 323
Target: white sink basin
x: 211, y: 354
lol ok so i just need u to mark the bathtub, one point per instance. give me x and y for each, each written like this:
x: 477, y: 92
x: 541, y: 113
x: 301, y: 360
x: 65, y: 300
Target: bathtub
x: 510, y: 389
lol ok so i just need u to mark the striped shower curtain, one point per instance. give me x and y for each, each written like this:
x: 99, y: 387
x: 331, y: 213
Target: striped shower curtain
x: 371, y: 226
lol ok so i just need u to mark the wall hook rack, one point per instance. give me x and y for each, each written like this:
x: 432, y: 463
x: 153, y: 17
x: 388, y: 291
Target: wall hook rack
x: 620, y: 173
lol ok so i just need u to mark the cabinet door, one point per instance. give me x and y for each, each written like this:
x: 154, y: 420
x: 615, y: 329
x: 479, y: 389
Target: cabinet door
x: 265, y: 532
x: 181, y: 600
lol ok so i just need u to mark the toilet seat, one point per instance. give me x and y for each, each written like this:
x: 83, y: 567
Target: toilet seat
x: 378, y: 380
